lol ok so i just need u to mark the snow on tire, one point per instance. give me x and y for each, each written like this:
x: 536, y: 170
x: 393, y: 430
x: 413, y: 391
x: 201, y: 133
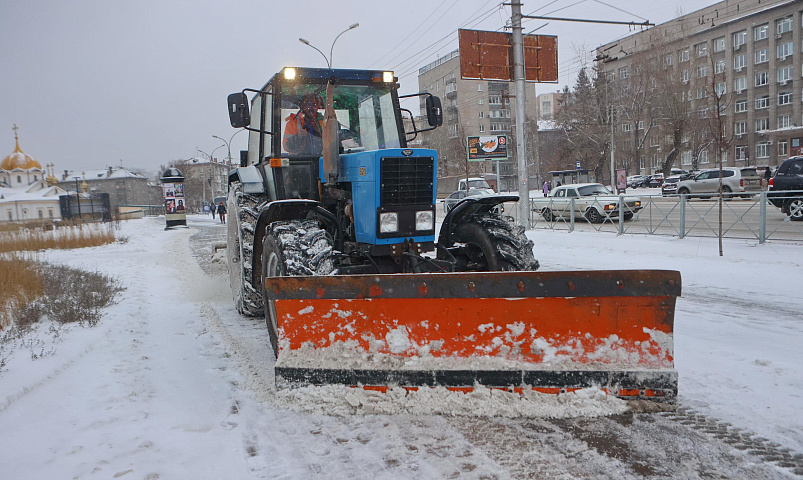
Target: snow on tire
x: 510, y: 249
x: 244, y: 281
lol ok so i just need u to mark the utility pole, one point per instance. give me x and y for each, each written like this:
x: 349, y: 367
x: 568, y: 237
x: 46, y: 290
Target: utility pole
x: 519, y: 85
x: 613, y: 146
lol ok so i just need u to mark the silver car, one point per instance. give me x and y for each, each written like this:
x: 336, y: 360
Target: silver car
x: 736, y: 181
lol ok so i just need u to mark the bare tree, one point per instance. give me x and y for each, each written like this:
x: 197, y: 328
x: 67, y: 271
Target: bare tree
x: 637, y: 100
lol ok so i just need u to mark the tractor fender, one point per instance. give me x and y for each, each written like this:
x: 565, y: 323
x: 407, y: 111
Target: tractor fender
x: 250, y: 178
x: 468, y: 206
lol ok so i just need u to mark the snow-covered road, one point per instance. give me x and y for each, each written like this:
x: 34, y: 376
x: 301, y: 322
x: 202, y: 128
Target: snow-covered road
x: 174, y: 384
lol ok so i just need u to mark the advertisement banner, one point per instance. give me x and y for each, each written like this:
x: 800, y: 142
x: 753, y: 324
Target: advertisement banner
x: 175, y: 207
x: 621, y: 179
x: 488, y: 147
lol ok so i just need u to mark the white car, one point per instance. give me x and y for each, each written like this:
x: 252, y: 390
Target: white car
x: 592, y: 201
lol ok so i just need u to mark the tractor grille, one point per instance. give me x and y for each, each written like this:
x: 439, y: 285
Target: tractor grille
x: 406, y: 181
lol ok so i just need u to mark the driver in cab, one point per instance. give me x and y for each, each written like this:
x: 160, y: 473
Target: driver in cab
x: 303, y: 132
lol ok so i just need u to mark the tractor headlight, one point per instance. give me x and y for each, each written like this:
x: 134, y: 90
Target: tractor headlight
x: 425, y: 220
x: 388, y: 222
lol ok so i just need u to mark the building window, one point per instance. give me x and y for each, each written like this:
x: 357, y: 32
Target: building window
x: 783, y: 148
x: 784, y: 121
x: 740, y: 128
x: 719, y: 89
x: 479, y: 87
x: 762, y: 56
x: 19, y: 179
x: 784, y: 50
x: 783, y: 25
x: 739, y: 62
x: 740, y: 84
x: 763, y: 150
x: 741, y: 106
x: 701, y: 49
x: 762, y: 124
x: 50, y: 212
x: 719, y: 67
x: 784, y: 98
x: 762, y: 79
x: 684, y: 76
x: 623, y: 73
x: 40, y: 213
x: 482, y: 114
x: 739, y: 39
x: 640, y: 125
x: 785, y: 74
x: 482, y: 128
x: 761, y: 32
x: 685, y: 157
x: 719, y: 44
x: 702, y: 71
x: 683, y: 55
x: 625, y: 127
x: 668, y: 60
x: 479, y: 102
x: 762, y: 102
x: 703, y: 159
x: 741, y: 153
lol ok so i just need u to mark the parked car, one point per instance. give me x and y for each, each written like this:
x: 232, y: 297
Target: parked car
x: 635, y: 181
x: 655, y: 180
x: 670, y: 185
x: 782, y: 194
x: 736, y: 181
x: 455, y: 197
x: 592, y: 201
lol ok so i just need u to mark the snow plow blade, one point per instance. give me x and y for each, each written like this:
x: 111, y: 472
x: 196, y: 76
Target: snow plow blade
x: 549, y: 331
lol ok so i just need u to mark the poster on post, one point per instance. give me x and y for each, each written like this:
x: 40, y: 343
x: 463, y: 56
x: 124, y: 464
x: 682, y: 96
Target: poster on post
x: 175, y: 203
x: 488, y: 147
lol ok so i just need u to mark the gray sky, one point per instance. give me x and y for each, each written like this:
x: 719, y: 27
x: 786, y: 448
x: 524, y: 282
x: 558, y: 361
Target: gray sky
x: 93, y: 83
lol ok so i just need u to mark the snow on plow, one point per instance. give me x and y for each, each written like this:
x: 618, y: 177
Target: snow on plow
x: 551, y: 332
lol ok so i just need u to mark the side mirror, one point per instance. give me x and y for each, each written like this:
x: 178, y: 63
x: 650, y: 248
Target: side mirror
x: 239, y: 116
x: 434, y: 111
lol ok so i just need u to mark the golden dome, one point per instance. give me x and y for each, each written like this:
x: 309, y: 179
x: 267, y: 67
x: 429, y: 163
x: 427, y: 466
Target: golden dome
x: 19, y: 159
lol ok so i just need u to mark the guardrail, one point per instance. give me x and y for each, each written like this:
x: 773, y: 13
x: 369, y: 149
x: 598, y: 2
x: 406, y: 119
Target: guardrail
x: 755, y: 217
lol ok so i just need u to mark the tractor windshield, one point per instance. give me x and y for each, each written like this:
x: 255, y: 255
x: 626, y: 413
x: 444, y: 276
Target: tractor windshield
x: 366, y: 118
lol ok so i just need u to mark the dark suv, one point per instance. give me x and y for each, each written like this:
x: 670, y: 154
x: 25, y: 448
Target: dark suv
x: 786, y: 188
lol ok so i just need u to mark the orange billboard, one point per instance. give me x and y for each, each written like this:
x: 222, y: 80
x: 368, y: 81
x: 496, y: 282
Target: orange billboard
x: 489, y: 56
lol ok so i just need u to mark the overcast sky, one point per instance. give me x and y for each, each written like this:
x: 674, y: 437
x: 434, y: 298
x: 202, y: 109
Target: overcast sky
x: 93, y: 83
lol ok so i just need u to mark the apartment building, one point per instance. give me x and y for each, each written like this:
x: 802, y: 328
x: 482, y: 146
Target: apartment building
x: 752, y: 51
x: 472, y: 107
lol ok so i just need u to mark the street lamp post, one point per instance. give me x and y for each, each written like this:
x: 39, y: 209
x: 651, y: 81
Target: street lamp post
x: 77, y: 195
x: 332, y: 49
x: 228, y: 144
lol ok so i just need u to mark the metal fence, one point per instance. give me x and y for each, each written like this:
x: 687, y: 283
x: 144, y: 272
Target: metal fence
x: 754, y: 217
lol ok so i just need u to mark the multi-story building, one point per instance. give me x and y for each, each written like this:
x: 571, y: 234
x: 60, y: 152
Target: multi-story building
x: 123, y: 186
x: 473, y: 107
x: 745, y: 54
x: 548, y: 105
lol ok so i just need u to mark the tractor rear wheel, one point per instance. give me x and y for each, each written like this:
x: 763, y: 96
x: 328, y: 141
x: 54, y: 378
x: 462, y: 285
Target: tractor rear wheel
x: 243, y: 211
x: 293, y: 248
x: 495, y: 243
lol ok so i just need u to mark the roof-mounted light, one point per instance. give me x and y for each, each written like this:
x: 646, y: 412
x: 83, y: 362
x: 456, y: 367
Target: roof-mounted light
x: 289, y: 73
x: 387, y: 77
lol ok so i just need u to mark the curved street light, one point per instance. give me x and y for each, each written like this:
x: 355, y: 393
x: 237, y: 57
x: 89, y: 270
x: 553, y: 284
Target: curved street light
x: 331, y: 50
x: 228, y: 144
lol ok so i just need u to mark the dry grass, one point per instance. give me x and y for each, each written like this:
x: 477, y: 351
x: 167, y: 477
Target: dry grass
x: 21, y: 283
x: 22, y: 239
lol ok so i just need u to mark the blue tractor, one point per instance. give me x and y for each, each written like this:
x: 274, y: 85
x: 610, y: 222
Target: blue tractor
x: 328, y: 186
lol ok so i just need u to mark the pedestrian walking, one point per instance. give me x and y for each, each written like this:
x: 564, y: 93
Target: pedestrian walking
x: 546, y: 188
x: 213, y: 211
x: 221, y: 212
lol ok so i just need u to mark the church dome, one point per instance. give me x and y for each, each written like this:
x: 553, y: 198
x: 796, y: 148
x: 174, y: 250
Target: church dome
x: 19, y: 159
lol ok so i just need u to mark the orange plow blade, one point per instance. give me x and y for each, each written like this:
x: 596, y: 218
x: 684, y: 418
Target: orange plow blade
x: 549, y: 331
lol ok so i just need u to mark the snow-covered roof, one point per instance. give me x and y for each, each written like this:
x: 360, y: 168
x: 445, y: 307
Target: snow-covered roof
x: 109, y: 173
x: 36, y: 191
x: 547, y: 125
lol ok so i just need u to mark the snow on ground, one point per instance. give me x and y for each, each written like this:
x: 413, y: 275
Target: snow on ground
x: 172, y: 383
x: 738, y: 324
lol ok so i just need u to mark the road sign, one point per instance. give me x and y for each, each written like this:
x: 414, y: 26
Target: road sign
x: 489, y: 56
x: 577, y: 165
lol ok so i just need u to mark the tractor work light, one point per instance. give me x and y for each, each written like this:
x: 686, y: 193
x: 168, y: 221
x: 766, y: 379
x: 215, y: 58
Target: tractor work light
x: 424, y: 220
x: 289, y: 73
x: 387, y: 77
x: 388, y: 222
